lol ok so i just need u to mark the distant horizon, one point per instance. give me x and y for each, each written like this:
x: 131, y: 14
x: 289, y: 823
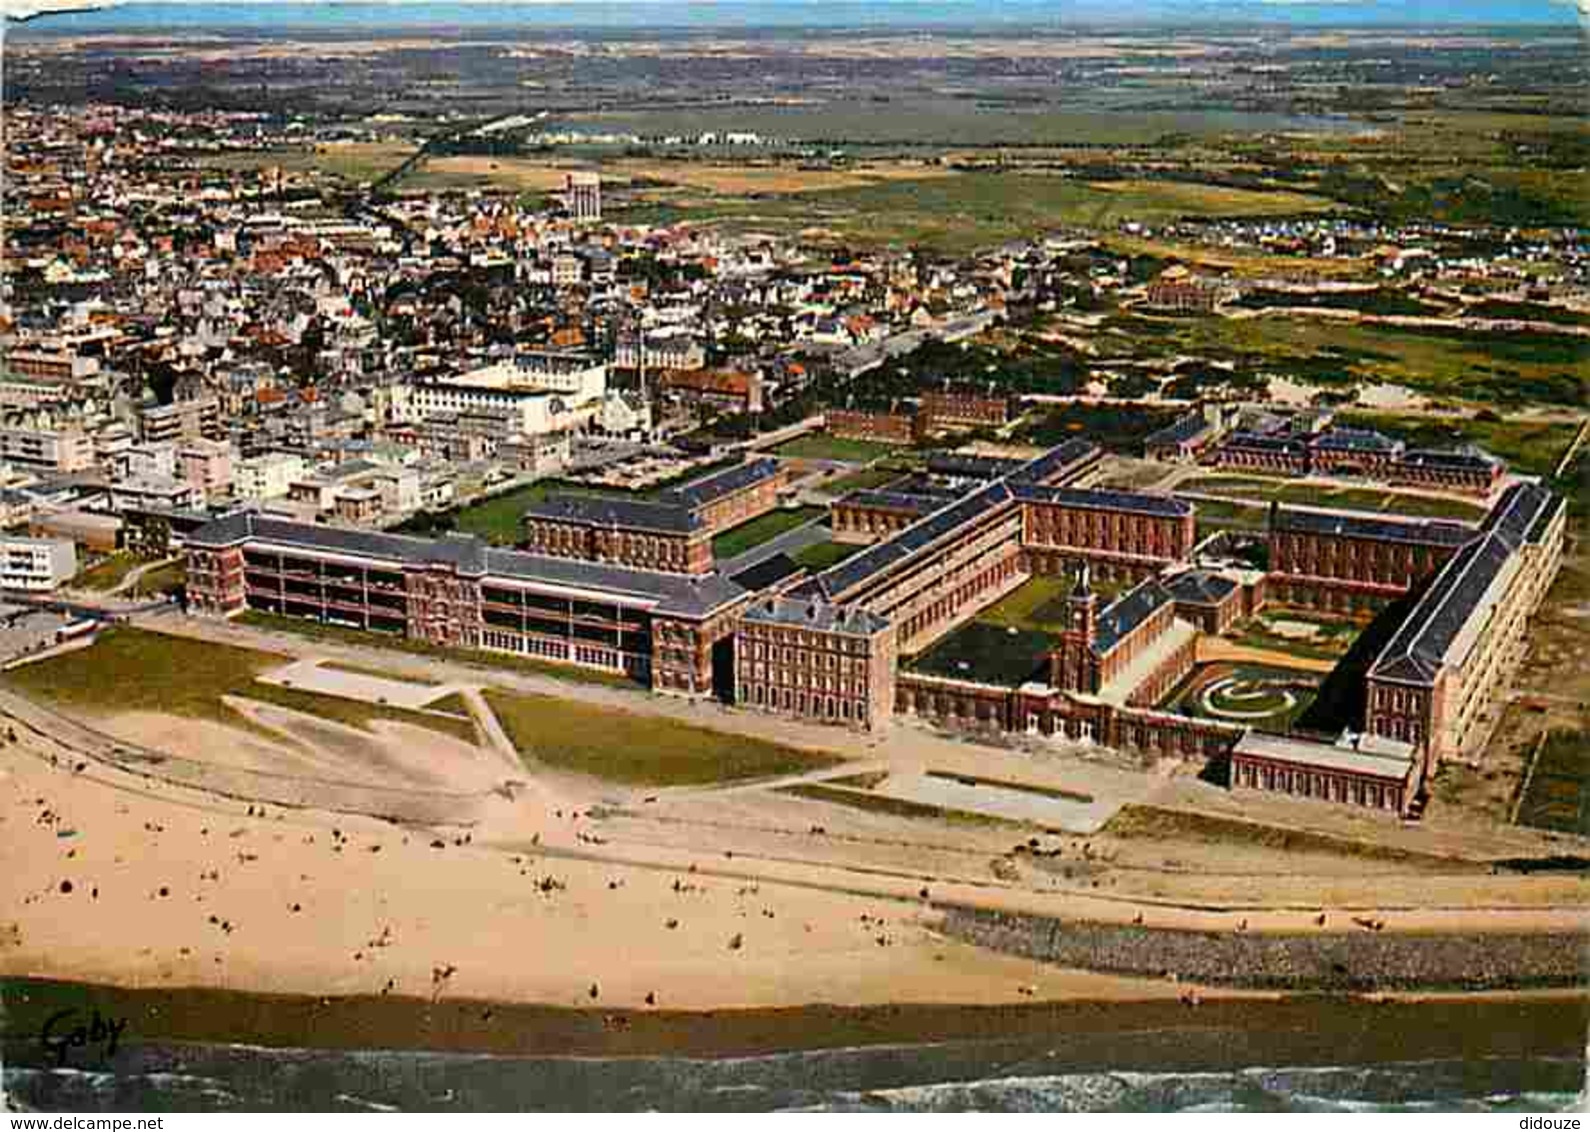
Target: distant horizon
x: 1038, y: 16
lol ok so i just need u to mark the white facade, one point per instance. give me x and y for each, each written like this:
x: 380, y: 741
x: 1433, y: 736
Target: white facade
x: 268, y: 476
x: 38, y: 565
x: 56, y: 450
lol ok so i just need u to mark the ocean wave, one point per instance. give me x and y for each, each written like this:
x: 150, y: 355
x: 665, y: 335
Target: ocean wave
x: 986, y: 1076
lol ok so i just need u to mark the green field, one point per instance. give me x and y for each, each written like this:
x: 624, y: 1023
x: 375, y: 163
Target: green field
x: 860, y: 481
x: 1558, y: 794
x: 1039, y: 604
x: 1481, y: 366
x: 470, y: 658
x: 639, y: 750
x: 988, y: 654
x: 749, y: 535
x: 821, y: 446
x: 1345, y: 498
x: 128, y: 669
x: 1331, y: 639
x: 821, y: 555
x: 106, y: 574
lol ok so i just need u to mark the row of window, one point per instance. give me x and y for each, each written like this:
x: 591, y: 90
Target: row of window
x: 800, y: 703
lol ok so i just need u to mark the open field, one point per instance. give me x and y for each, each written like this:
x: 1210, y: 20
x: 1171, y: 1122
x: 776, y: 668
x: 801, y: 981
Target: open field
x: 1327, y: 495
x: 858, y: 481
x: 476, y: 659
x: 638, y: 750
x: 1558, y: 792
x: 821, y: 555
x: 961, y: 213
x: 106, y: 574
x: 822, y: 446
x: 1038, y: 604
x: 988, y: 654
x: 1490, y: 367
x: 754, y: 533
x: 351, y: 161
x: 133, y: 670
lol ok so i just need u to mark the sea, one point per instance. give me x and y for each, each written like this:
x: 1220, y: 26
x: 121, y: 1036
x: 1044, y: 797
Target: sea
x: 958, y: 1076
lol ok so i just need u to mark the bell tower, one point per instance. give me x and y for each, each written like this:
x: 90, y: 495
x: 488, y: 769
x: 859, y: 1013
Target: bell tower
x: 1082, y: 607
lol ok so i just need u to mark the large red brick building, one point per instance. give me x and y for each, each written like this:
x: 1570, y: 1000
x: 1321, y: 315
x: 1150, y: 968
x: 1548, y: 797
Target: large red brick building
x: 671, y: 532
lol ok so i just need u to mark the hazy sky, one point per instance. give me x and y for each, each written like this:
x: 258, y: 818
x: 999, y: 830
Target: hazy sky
x: 826, y: 13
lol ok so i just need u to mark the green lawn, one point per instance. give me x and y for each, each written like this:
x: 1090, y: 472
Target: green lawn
x: 821, y: 555
x: 987, y: 654
x: 754, y: 533
x: 640, y: 750
x: 106, y: 574
x: 166, y: 579
x: 1376, y: 499
x: 860, y: 481
x: 821, y: 446
x: 316, y: 630
x: 129, y: 669
x: 453, y: 703
x: 1039, y: 604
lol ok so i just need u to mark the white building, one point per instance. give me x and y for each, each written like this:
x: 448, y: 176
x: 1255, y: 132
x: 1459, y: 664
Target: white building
x: 38, y: 565
x: 541, y: 392
x: 50, y: 450
x: 268, y: 476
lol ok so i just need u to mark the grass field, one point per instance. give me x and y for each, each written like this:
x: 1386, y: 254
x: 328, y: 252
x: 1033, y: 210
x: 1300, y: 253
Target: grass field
x: 821, y: 555
x: 1558, y: 795
x: 106, y: 574
x: 1038, y: 605
x: 746, y: 536
x: 482, y: 660
x: 1501, y: 368
x: 860, y: 481
x: 821, y: 446
x: 167, y: 579
x: 1135, y: 821
x: 129, y: 669
x: 988, y: 654
x: 871, y: 803
x: 351, y: 161
x: 1331, y: 638
x: 639, y: 750
x: 1345, y: 498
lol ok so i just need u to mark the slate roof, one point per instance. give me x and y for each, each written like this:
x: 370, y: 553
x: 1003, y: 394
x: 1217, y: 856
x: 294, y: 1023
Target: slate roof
x: 1200, y: 587
x: 612, y: 511
x: 1101, y: 499
x: 1356, y: 440
x: 1127, y: 612
x: 919, y: 504
x: 1466, y: 458
x: 1423, y: 532
x: 1523, y: 511
x: 715, y: 486
x: 858, y: 568
x: 1053, y: 462
x: 1417, y: 651
x: 812, y: 613
x: 684, y: 595
x: 970, y: 467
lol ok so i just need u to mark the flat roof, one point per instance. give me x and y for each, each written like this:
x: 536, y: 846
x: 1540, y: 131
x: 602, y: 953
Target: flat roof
x: 1393, y: 764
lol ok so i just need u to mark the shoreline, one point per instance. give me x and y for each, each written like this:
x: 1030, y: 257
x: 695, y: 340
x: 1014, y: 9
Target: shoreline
x: 1161, y: 1035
